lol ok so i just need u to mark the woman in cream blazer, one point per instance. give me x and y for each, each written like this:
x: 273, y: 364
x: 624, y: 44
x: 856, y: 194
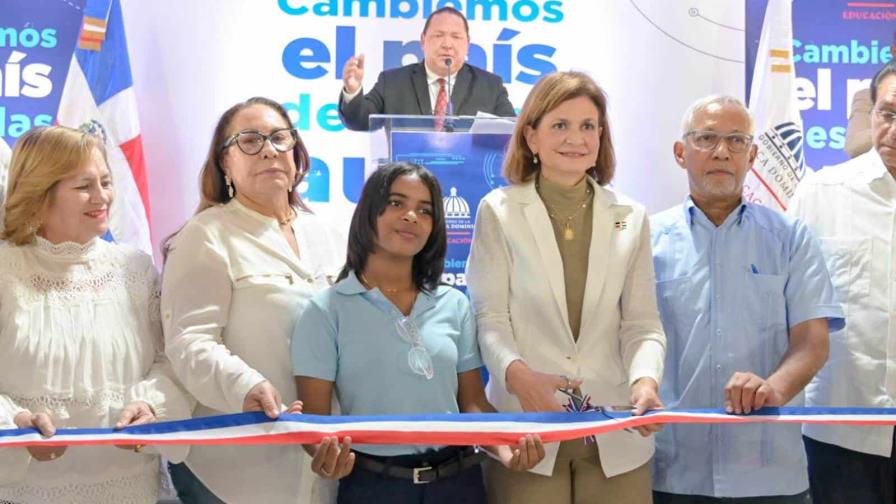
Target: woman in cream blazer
x: 561, y: 278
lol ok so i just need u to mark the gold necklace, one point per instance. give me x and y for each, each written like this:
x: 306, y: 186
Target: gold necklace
x: 384, y: 289
x: 289, y: 218
x: 568, y: 233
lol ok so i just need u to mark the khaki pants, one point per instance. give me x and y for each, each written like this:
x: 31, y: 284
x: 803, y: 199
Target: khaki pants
x: 578, y: 479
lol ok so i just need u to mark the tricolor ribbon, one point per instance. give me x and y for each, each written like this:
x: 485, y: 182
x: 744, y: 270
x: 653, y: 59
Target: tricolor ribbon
x: 441, y: 429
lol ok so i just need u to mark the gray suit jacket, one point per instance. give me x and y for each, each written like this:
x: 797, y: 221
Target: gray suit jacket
x: 405, y: 91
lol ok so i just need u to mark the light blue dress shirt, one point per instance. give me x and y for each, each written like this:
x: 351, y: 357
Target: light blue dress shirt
x: 348, y: 335
x: 727, y: 296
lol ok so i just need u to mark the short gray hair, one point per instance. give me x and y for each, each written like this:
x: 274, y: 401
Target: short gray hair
x: 687, y: 122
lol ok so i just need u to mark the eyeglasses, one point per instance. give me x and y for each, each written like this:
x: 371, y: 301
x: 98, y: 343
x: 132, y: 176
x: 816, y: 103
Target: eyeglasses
x: 888, y: 116
x: 252, y: 141
x: 419, y: 359
x: 709, y: 140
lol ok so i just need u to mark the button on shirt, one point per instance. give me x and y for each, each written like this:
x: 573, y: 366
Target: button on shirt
x: 727, y: 296
x: 348, y: 335
x: 851, y: 208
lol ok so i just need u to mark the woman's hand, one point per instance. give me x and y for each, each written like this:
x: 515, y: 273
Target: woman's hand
x: 295, y: 407
x: 43, y: 423
x: 135, y: 413
x: 263, y: 397
x: 645, y: 397
x: 535, y: 390
x: 524, y: 456
x: 331, y: 461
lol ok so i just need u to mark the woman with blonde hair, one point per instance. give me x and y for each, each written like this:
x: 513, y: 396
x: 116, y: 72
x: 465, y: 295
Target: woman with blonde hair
x: 80, y: 339
x: 561, y: 278
x: 236, y: 277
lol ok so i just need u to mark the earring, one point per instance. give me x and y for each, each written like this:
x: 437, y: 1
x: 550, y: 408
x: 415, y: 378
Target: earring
x: 535, y: 158
x: 229, y: 185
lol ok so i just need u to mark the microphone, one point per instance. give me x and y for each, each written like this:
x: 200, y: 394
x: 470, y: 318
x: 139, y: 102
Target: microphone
x: 449, y: 124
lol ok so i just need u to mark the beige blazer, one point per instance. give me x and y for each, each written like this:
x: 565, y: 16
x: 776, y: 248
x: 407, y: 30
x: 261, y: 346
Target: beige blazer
x: 515, y: 279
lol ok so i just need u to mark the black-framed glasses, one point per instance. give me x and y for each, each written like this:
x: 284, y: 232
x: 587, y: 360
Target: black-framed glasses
x: 251, y: 141
x: 709, y: 140
x: 887, y: 116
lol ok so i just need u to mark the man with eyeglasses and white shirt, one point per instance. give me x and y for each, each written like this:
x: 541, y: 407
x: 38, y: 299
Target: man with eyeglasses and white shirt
x: 851, y: 207
x: 746, y: 303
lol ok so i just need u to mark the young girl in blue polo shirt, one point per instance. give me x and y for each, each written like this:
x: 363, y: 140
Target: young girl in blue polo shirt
x: 389, y: 339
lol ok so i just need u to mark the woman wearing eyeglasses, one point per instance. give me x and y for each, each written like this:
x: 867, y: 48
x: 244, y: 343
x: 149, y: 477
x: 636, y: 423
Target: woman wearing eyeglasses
x: 389, y: 339
x: 235, y: 278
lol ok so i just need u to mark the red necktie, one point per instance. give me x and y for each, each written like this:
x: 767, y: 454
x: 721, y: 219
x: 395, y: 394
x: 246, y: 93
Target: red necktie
x: 441, y: 109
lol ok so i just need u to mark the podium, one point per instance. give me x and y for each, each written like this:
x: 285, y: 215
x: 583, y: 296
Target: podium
x: 466, y: 155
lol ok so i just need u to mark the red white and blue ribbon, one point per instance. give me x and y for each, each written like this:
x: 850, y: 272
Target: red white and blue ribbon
x: 442, y: 429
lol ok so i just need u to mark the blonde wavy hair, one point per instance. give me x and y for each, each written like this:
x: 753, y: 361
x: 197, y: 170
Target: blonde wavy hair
x: 42, y: 158
x: 548, y: 93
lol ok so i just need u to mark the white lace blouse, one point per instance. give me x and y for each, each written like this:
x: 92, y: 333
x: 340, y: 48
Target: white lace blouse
x: 80, y: 338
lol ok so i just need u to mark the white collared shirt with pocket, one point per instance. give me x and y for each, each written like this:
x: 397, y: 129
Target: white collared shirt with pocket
x: 851, y: 208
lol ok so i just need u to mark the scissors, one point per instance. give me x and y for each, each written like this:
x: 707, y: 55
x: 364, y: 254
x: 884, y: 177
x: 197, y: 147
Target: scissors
x: 579, y: 403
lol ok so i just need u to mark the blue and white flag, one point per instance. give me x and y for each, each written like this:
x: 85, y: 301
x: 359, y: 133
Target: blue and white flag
x: 779, y: 165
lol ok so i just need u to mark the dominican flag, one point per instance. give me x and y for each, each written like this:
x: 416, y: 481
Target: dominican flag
x: 779, y: 165
x: 99, y: 97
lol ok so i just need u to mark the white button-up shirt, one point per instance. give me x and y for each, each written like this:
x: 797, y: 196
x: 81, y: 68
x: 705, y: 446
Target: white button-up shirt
x: 851, y: 208
x: 231, y: 292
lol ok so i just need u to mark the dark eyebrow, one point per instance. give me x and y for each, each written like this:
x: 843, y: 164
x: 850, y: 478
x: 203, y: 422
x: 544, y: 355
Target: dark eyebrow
x: 404, y: 196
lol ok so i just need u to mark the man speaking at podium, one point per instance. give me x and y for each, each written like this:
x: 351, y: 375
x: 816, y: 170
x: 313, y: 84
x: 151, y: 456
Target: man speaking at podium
x: 424, y: 88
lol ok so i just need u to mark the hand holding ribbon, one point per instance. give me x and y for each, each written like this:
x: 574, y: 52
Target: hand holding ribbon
x: 645, y: 397
x: 43, y: 423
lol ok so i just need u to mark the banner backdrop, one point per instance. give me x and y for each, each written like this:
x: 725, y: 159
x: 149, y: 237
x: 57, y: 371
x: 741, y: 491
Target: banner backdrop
x: 838, y: 46
x: 192, y: 60
x: 37, y: 39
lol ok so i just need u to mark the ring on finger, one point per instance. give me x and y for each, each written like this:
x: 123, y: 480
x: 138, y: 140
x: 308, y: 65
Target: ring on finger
x: 52, y: 455
x: 138, y: 448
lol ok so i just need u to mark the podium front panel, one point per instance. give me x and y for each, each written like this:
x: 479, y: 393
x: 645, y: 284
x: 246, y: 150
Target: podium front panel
x: 468, y: 166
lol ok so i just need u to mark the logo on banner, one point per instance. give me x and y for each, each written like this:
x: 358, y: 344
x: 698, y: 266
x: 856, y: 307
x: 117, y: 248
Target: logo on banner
x: 458, y: 219
x: 780, y: 157
x: 491, y: 167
